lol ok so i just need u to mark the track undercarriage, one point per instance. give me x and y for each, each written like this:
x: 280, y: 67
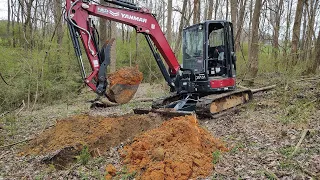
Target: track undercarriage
x: 206, y: 106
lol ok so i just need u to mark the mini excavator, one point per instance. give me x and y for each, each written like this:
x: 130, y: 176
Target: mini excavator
x: 204, y: 83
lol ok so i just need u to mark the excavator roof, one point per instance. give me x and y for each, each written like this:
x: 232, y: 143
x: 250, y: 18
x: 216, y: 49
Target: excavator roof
x: 210, y: 21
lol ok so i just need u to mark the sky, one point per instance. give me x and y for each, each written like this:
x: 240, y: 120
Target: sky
x: 3, y: 10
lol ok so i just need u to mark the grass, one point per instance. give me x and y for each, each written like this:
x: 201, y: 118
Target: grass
x: 125, y: 174
x: 237, y: 148
x: 216, y: 156
x: 84, y: 156
x: 286, y: 151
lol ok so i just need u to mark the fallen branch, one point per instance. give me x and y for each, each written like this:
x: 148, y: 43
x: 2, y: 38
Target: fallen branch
x: 263, y: 89
x: 19, y: 142
x: 308, y: 79
x: 23, y: 105
x: 259, y: 89
x: 242, y: 87
x: 303, y: 135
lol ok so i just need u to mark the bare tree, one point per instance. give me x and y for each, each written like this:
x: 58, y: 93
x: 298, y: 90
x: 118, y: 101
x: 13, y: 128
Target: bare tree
x: 296, y: 30
x: 278, y: 8
x: 58, y: 20
x: 178, y: 43
x: 312, y: 8
x: 210, y: 9
x: 102, y: 27
x: 234, y: 7
x: 216, y: 6
x: 8, y: 22
x: 254, y: 46
x: 169, y: 21
x: 196, y: 13
x: 240, y: 23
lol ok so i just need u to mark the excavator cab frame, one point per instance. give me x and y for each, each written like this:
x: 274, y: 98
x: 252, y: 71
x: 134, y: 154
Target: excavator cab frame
x: 209, y: 57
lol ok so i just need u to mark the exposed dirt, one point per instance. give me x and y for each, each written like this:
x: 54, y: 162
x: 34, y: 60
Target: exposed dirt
x: 67, y: 138
x: 179, y: 149
x: 126, y: 75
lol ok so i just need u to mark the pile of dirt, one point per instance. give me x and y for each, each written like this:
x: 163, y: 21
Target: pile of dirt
x: 68, y: 137
x: 179, y: 149
x: 126, y: 75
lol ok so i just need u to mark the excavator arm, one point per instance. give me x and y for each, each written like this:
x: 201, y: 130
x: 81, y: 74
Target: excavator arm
x: 79, y: 16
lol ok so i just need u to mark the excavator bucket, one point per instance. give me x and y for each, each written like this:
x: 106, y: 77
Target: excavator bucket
x: 123, y: 84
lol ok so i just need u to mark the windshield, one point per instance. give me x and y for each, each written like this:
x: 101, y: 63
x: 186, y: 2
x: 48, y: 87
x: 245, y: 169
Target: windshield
x: 193, y: 48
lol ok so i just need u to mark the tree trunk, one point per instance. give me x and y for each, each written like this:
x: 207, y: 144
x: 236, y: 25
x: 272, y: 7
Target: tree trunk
x: 216, y: 6
x: 113, y: 53
x: 287, y: 32
x: 254, y: 46
x: 177, y: 47
x: 102, y: 27
x: 234, y: 7
x: 196, y: 13
x: 58, y: 21
x: 210, y: 10
x: 8, y: 22
x: 169, y: 22
x: 296, y: 31
x: 227, y: 9
x: 240, y: 23
x: 316, y: 55
x: 276, y: 30
x: 250, y: 20
x: 310, y: 29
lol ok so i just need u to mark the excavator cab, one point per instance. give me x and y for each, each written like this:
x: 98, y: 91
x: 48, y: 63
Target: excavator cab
x: 208, y: 57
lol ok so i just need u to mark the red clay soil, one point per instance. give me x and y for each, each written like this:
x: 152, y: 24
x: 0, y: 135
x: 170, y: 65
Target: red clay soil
x: 66, y: 139
x: 179, y: 149
x: 126, y: 75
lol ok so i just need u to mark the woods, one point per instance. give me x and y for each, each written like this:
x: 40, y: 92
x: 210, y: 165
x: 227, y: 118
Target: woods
x: 38, y: 58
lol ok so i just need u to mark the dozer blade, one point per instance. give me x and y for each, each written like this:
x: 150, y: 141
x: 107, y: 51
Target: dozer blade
x: 216, y: 103
x: 168, y: 112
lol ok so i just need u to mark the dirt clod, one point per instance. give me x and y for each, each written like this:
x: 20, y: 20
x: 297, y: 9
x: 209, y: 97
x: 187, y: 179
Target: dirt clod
x: 179, y: 149
x: 111, y: 170
x: 126, y: 75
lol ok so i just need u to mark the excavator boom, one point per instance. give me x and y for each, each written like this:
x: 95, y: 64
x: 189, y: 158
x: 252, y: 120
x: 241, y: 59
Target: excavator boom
x: 79, y: 17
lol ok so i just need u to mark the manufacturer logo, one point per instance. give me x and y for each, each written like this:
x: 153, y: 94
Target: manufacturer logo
x: 135, y: 18
x: 200, y: 77
x: 114, y: 13
x: 102, y: 10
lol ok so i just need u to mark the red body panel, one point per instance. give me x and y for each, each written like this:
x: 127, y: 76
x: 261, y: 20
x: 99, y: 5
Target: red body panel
x: 221, y: 83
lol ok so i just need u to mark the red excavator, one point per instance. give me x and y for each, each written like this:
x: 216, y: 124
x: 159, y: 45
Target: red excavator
x: 204, y: 83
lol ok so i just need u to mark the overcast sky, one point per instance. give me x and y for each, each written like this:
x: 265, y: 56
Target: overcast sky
x: 3, y: 9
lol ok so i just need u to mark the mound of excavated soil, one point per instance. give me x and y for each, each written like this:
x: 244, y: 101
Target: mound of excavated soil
x: 179, y: 149
x: 126, y: 75
x: 67, y: 138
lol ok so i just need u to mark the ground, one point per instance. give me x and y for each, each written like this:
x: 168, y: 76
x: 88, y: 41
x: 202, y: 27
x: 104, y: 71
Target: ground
x: 262, y: 135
